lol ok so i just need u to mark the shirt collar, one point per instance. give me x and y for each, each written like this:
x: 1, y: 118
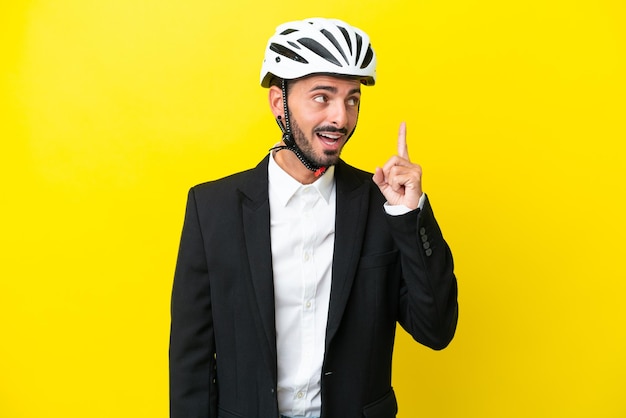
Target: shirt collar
x: 286, y: 186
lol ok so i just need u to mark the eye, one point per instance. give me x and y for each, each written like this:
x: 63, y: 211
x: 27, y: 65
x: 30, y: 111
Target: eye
x: 353, y: 101
x: 320, y: 99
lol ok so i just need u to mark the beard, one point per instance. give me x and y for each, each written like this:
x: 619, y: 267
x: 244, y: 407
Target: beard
x: 328, y: 157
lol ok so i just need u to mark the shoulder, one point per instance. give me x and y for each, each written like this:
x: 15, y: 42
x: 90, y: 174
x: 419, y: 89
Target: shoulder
x: 344, y: 169
x: 253, y: 178
x: 349, y: 177
x: 226, y: 183
x: 354, y: 180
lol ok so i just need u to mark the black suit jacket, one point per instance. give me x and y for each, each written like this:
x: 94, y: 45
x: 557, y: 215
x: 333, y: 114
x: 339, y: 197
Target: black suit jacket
x: 223, y: 340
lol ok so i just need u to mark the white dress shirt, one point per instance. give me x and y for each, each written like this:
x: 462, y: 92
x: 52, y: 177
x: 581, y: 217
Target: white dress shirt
x: 302, y: 230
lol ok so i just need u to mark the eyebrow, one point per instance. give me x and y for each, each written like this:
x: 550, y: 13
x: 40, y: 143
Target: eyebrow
x: 334, y: 89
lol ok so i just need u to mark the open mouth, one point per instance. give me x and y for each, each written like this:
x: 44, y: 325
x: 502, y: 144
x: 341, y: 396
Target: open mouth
x: 329, y: 138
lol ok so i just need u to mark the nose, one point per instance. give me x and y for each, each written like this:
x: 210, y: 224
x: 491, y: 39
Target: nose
x: 339, y: 114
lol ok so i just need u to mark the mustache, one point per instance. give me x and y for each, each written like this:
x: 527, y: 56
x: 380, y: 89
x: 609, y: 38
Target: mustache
x: 343, y: 131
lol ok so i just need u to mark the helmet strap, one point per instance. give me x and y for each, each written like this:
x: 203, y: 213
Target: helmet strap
x: 289, y: 140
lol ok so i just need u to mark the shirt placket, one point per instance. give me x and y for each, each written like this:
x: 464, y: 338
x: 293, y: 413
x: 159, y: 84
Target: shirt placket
x: 310, y: 197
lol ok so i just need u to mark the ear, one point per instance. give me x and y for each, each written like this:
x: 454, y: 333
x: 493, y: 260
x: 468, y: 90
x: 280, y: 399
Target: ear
x: 276, y: 101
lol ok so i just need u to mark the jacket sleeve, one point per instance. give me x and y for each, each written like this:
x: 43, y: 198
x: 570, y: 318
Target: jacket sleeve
x: 428, y: 307
x: 192, y: 367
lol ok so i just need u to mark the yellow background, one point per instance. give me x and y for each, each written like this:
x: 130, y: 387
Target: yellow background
x: 112, y: 109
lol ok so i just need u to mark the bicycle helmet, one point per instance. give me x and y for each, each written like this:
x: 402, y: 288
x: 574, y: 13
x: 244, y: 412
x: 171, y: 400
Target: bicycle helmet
x: 318, y: 46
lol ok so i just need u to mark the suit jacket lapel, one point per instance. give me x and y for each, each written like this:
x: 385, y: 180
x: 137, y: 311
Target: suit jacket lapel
x: 352, y: 207
x: 255, y: 212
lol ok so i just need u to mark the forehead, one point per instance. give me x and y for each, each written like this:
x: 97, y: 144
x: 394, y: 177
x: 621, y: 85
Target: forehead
x: 340, y: 84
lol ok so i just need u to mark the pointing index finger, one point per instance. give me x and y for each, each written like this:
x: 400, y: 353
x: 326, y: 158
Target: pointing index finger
x: 403, y: 150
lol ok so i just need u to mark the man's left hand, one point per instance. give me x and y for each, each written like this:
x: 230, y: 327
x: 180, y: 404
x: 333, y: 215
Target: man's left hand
x: 399, y: 180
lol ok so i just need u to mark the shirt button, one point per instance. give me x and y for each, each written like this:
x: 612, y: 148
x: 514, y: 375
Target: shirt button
x: 300, y: 395
x: 306, y: 256
x: 308, y: 304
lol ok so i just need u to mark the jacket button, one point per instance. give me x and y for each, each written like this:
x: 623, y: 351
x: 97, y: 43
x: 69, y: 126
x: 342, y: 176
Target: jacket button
x: 428, y: 252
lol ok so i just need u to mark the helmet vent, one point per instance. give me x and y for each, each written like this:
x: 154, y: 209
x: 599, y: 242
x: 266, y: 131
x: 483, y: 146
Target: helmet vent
x: 347, y: 36
x: 359, y: 45
x: 288, y: 53
x: 295, y: 45
x: 288, y: 31
x: 316, y: 47
x: 332, y: 39
x: 368, y: 57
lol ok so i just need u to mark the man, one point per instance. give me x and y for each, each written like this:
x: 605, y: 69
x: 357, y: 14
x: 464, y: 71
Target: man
x: 291, y: 276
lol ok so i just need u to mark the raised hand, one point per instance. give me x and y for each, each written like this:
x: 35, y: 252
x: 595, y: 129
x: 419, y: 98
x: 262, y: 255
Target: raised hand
x: 399, y: 180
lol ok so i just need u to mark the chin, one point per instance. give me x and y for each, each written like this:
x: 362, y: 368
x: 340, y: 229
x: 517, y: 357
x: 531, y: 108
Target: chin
x: 328, y: 161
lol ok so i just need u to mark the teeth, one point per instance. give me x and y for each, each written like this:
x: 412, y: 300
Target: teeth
x: 331, y: 136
